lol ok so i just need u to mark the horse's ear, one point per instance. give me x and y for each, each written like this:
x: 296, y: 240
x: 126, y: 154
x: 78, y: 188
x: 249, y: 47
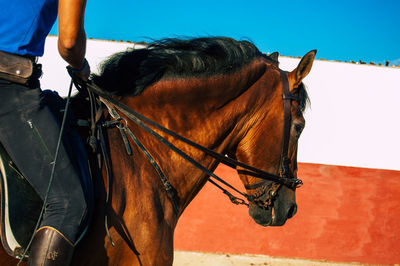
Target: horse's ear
x: 274, y: 56
x: 303, y: 68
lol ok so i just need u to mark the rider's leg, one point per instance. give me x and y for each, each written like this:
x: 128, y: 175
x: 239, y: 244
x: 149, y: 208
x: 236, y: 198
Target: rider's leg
x: 30, y: 133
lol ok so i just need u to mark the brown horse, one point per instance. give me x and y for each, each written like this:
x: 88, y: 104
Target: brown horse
x: 218, y: 92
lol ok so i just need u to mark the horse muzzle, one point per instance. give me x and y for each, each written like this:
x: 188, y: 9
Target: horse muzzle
x: 273, y: 209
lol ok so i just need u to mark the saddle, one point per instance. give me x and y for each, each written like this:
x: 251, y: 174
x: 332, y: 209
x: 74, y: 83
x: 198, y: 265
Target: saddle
x: 20, y: 207
x: 20, y: 204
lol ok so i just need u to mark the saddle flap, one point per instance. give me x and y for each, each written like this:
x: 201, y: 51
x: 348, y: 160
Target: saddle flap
x: 20, y: 207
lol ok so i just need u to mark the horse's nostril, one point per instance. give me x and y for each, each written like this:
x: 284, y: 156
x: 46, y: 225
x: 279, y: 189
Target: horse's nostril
x: 292, y: 210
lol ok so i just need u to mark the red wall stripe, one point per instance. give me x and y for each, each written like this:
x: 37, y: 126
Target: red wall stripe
x: 345, y: 214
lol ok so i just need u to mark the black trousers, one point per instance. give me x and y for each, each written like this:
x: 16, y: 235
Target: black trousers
x: 29, y: 131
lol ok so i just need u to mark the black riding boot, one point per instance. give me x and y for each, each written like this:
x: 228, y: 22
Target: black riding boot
x: 50, y: 247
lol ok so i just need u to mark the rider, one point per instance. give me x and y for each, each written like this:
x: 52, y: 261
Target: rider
x: 29, y: 130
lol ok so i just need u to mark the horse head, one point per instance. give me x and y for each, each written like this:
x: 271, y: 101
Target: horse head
x: 263, y: 142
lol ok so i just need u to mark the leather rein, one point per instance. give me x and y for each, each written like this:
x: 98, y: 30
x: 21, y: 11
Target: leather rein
x: 270, y: 183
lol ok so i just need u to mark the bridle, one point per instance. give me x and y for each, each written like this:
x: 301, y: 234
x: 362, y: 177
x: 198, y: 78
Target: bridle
x: 271, y: 182
x: 266, y: 186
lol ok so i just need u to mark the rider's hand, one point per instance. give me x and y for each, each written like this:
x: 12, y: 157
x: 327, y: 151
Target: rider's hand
x: 81, y: 74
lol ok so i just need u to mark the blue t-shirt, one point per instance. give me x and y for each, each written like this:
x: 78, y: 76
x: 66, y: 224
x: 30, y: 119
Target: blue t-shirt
x: 25, y: 24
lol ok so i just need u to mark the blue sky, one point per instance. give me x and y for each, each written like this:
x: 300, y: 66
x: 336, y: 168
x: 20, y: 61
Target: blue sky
x: 340, y: 30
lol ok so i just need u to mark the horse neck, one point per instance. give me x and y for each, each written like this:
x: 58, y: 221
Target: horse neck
x: 209, y: 111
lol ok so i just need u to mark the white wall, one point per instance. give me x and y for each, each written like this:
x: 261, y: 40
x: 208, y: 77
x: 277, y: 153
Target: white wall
x: 353, y: 119
x: 55, y: 76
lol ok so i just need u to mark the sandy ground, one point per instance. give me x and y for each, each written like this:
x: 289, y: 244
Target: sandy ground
x: 185, y: 258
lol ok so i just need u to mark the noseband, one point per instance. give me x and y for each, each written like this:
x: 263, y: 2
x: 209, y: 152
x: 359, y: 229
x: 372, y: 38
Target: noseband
x: 270, y: 183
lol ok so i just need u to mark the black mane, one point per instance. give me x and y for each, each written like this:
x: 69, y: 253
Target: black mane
x: 131, y: 71
x: 304, y: 100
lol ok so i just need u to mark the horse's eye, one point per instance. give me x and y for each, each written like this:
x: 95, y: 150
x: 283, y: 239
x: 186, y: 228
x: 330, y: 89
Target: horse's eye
x: 298, y: 128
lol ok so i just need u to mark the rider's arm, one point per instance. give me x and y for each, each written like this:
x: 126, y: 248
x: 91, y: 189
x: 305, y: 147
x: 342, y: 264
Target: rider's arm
x: 72, y: 36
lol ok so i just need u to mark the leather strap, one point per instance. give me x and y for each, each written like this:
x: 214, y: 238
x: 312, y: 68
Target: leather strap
x: 287, y: 117
x: 157, y: 168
